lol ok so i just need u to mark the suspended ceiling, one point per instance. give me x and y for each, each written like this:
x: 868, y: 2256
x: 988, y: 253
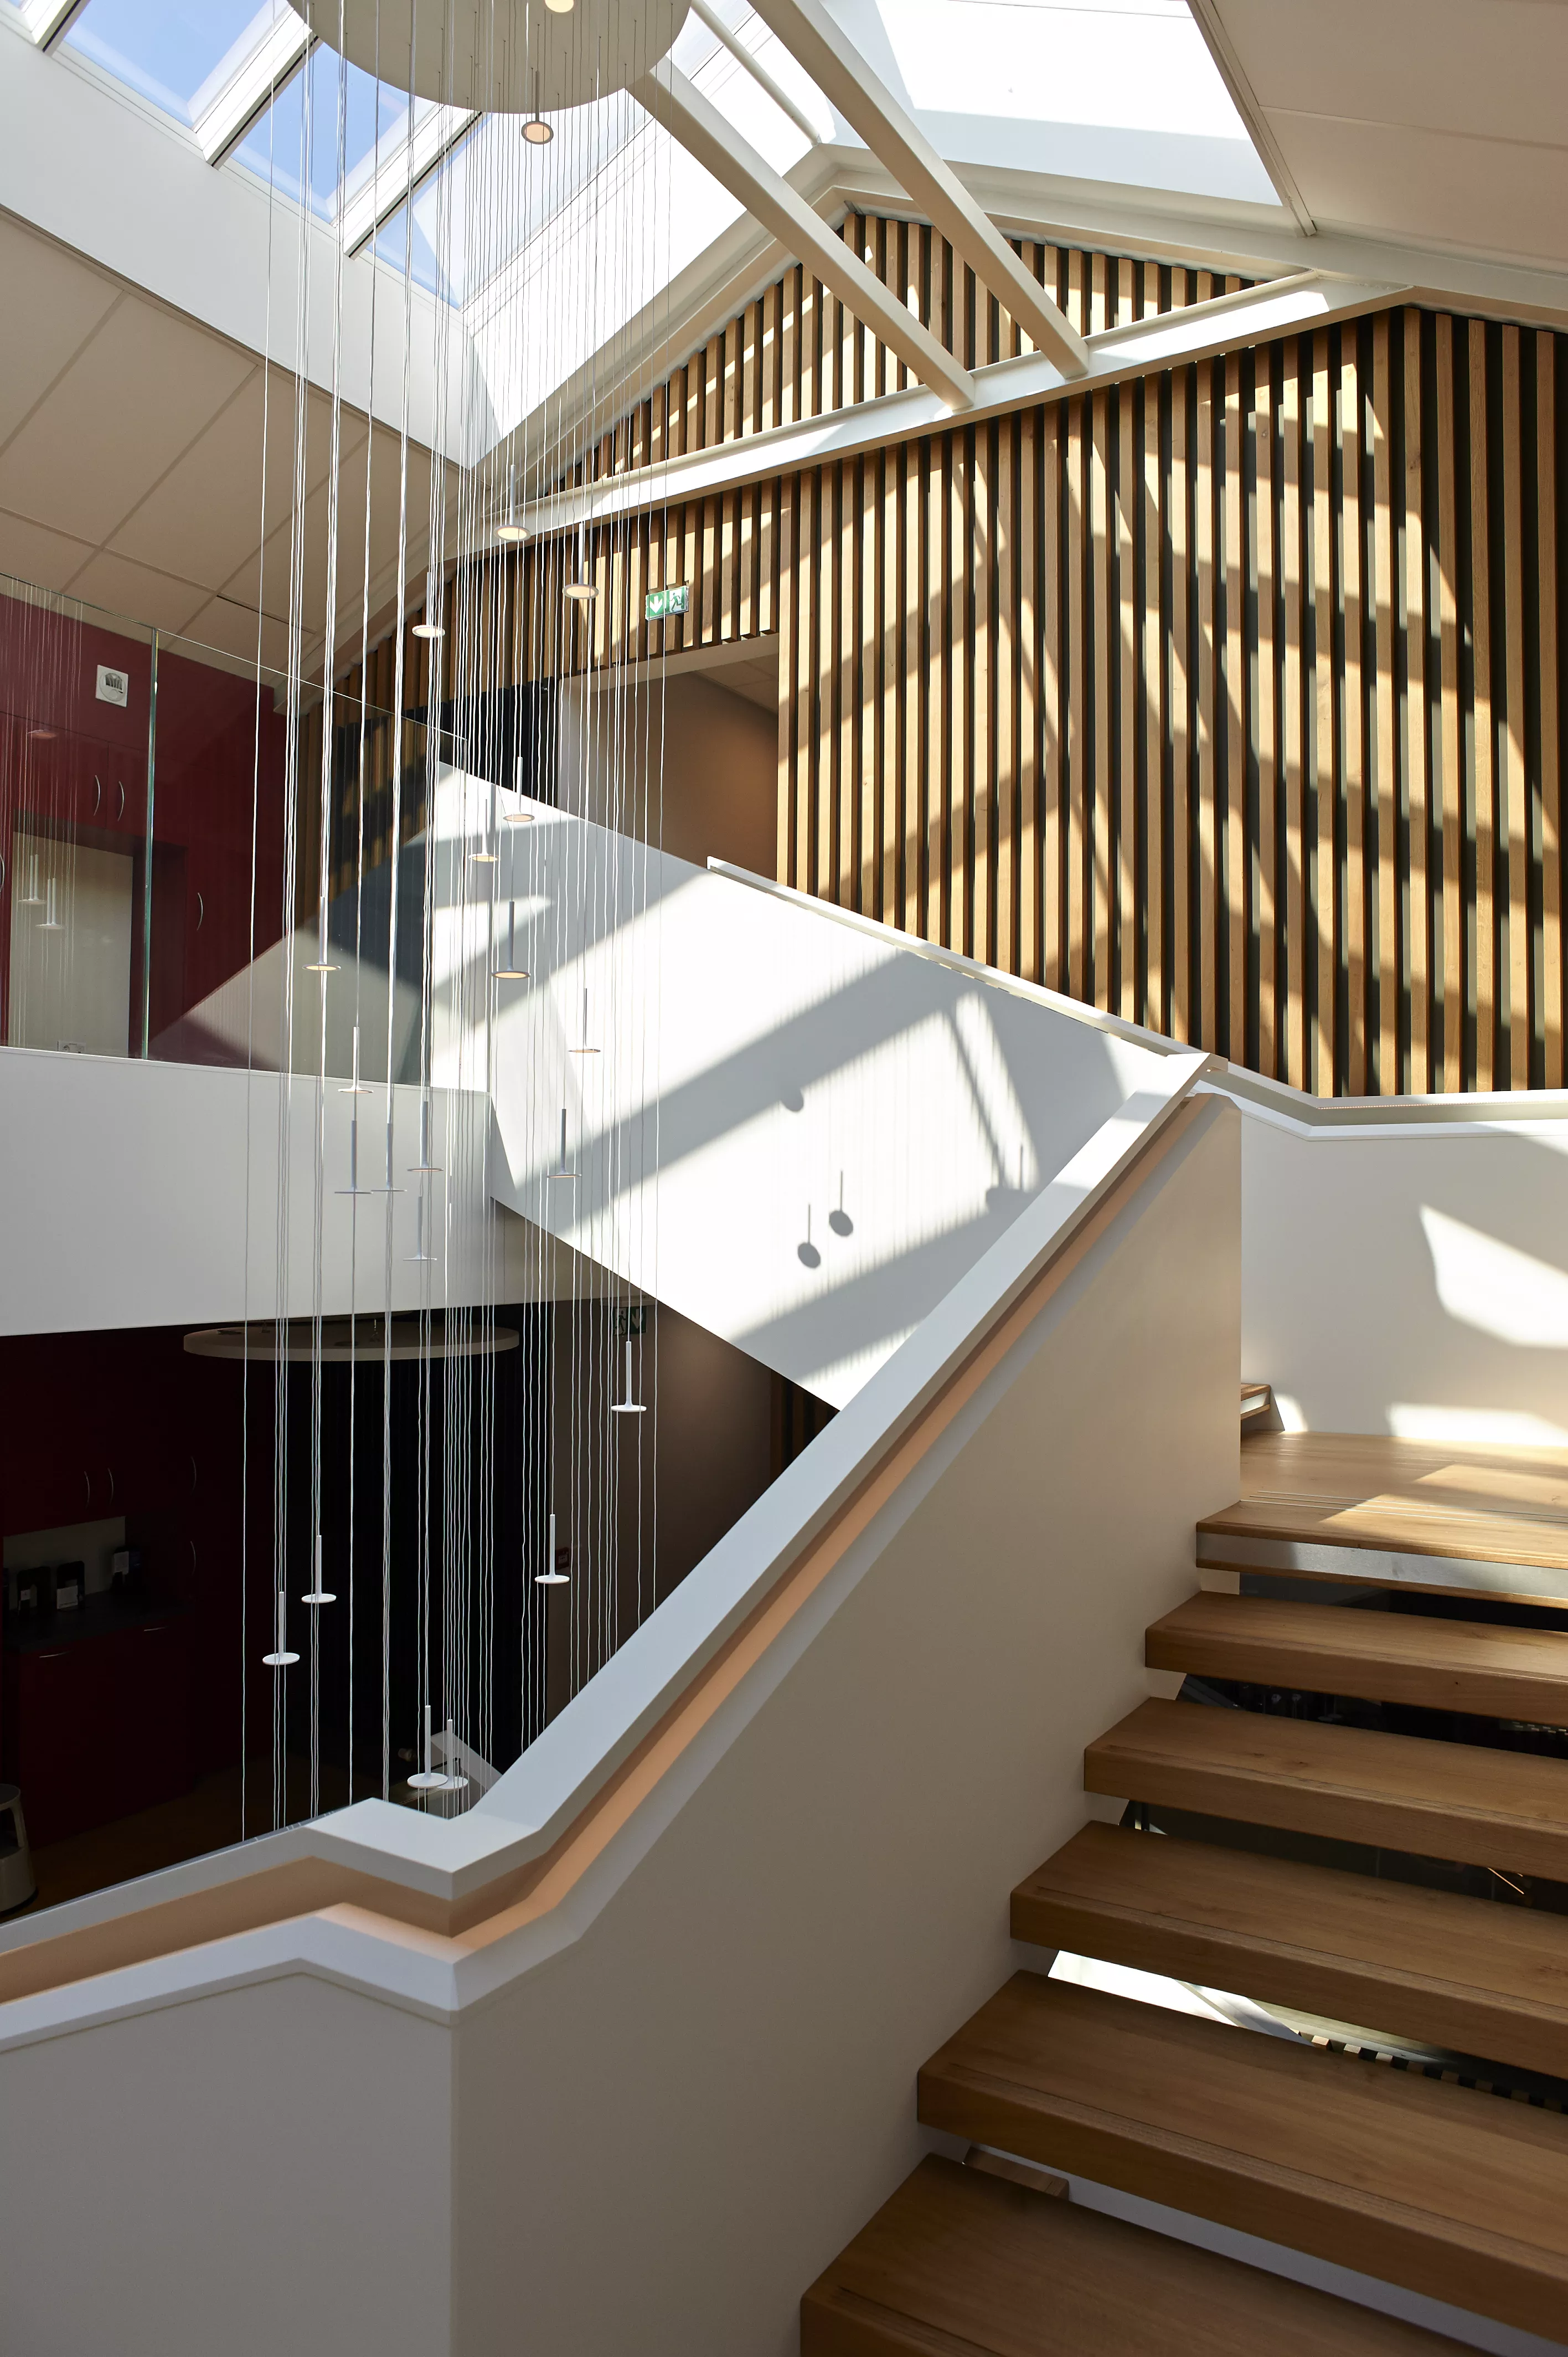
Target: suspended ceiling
x: 1435, y: 122
x: 131, y: 465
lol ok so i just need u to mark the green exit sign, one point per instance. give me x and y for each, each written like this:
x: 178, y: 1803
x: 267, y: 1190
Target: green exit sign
x: 659, y: 603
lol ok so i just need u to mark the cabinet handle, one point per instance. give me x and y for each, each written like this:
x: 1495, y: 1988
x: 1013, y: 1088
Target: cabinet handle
x: 120, y: 812
x: 1, y: 871
x: 97, y: 794
x: 191, y: 1544
x: 200, y: 910
x: 50, y: 1657
x: 87, y: 1479
x: 109, y: 1470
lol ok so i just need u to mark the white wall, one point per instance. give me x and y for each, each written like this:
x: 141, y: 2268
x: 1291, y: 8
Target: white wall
x: 796, y: 1132
x: 260, y: 2168
x: 1410, y: 1276
x: 715, y: 2081
x: 146, y: 1194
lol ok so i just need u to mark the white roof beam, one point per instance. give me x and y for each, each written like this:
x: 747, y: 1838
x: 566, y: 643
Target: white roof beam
x: 702, y: 130
x: 1167, y: 339
x: 757, y: 70
x: 275, y: 59
x: 49, y: 21
x: 414, y: 159
x: 843, y: 77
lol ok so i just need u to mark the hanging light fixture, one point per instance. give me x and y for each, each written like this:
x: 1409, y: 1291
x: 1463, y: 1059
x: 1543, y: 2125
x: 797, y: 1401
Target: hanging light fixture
x: 280, y: 1658
x: 317, y: 1594
x: 560, y: 7
x: 32, y: 897
x: 582, y: 589
x: 628, y: 1407
x: 511, y: 971
x: 512, y: 531
x: 536, y: 130
x: 51, y: 923
x: 428, y: 630
x: 552, y: 1579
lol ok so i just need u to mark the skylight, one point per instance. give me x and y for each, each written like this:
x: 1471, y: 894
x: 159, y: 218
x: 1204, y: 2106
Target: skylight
x: 177, y: 53
x: 342, y: 153
x: 1117, y: 90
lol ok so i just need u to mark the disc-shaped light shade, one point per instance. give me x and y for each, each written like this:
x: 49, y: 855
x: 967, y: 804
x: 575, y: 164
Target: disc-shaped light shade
x: 428, y: 630
x: 512, y: 534
x: 501, y: 56
x: 536, y: 133
x: 582, y: 591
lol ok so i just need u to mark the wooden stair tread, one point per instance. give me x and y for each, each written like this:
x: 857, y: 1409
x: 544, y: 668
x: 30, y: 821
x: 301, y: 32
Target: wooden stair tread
x: 1474, y: 1666
x: 1428, y: 1965
x: 1502, y: 1809
x: 1363, y: 1490
x: 958, y: 2263
x: 1442, y: 2189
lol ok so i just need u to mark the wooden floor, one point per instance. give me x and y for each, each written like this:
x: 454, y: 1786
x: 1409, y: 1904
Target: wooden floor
x: 1362, y: 1489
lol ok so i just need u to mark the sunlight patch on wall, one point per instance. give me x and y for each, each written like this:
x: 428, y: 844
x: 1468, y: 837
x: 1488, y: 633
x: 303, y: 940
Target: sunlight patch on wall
x: 1493, y: 1286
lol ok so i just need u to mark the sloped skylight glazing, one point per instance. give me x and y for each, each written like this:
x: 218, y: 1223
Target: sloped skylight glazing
x: 177, y: 53
x: 339, y: 113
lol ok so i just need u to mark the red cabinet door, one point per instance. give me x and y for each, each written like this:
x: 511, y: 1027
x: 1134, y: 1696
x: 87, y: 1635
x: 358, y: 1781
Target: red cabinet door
x: 57, y: 1710
x: 151, y: 1715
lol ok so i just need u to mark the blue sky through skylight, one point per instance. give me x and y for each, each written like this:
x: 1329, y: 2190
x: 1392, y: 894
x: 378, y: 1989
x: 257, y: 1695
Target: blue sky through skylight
x: 175, y: 52
x: 274, y: 149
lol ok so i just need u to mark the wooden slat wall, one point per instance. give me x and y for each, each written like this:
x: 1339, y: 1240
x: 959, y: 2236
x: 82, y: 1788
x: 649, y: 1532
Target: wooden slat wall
x: 1227, y: 701
x: 795, y: 353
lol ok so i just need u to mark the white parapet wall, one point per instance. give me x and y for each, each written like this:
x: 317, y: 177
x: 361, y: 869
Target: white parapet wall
x: 148, y: 1194
x: 797, y: 1131
x: 1405, y: 1263
x: 617, y: 2061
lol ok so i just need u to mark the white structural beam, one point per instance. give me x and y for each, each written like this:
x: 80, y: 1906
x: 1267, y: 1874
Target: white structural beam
x: 1167, y: 339
x: 276, y: 59
x: 414, y: 159
x: 49, y: 21
x: 702, y: 130
x: 820, y: 43
x: 757, y: 70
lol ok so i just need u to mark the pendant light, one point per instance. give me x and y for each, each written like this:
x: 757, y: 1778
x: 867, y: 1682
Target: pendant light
x: 536, y: 130
x: 552, y: 1579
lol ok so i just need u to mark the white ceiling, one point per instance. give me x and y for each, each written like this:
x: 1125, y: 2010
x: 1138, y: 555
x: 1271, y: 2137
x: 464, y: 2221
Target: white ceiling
x: 1435, y: 122
x: 131, y: 474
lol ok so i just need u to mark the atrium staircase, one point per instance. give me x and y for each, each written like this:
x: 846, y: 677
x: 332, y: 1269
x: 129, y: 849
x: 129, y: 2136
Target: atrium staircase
x: 1353, y: 1823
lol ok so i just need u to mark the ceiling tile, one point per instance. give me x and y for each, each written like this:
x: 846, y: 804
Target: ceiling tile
x: 143, y: 387
x: 34, y: 554
x: 157, y: 599
x: 60, y: 299
x: 1473, y: 194
x: 1494, y: 67
x: 231, y: 629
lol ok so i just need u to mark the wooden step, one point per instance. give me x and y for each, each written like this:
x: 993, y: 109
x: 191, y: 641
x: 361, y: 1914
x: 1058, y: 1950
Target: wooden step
x: 1367, y: 1507
x: 959, y: 2264
x: 1501, y: 1809
x: 1426, y: 1964
x: 1379, y: 1656
x: 1442, y: 2189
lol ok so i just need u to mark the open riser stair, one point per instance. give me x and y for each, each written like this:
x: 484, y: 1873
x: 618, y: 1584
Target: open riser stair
x: 1350, y: 1831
